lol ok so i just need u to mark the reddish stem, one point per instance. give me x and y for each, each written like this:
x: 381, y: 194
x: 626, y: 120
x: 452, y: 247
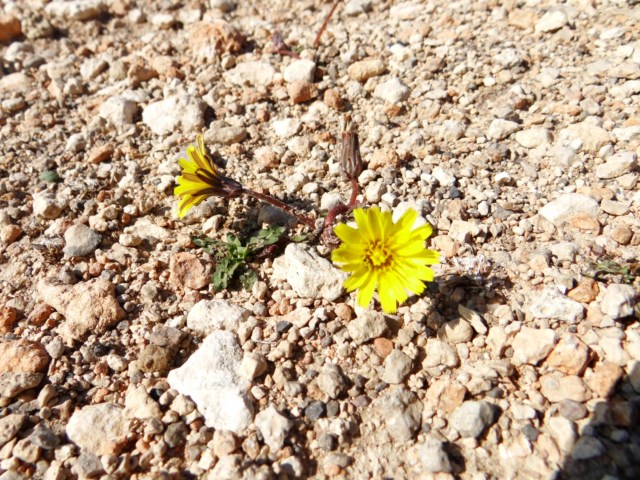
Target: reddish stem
x: 316, y: 42
x: 308, y: 221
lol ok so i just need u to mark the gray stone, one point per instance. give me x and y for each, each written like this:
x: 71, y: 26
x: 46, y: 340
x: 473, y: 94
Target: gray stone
x: 617, y: 165
x: 563, y: 432
x: 433, y: 456
x: 392, y: 91
x: 207, y: 316
x: 557, y: 388
x: 402, y: 413
x: 178, y: 112
x: 10, y: 426
x: 397, y: 366
x: 274, y: 427
x: 369, y: 324
x: 98, y: 429
x: 80, y: 241
x: 331, y: 381
x: 530, y: 345
x: 551, y: 304
x: 472, y: 418
x: 13, y: 383
x: 569, y: 205
x: 618, y: 300
x: 587, y: 447
x: 309, y: 275
x: 210, y: 377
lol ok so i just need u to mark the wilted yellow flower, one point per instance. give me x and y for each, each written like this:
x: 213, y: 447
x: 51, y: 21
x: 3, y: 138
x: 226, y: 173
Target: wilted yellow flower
x: 388, y: 256
x: 200, y: 179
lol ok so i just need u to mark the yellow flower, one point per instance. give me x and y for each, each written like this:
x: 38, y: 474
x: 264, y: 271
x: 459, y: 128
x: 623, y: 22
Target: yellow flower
x: 200, y: 179
x: 388, y: 256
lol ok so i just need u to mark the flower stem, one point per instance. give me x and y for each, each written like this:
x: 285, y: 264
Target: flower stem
x: 316, y: 42
x: 305, y: 219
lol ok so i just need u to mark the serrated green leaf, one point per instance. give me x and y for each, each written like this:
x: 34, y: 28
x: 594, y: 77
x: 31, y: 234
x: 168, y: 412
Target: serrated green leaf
x: 248, y: 278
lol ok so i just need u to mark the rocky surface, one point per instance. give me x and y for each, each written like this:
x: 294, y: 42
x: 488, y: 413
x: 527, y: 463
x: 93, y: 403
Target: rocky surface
x: 513, y: 128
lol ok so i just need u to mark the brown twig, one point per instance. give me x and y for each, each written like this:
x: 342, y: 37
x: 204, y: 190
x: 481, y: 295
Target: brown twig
x: 316, y: 42
x: 280, y: 46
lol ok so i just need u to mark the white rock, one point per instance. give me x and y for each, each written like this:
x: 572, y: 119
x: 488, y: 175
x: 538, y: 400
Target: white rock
x: 223, y: 5
x: 507, y: 57
x: 401, y: 411
x: 300, y: 71
x: 254, y: 73
x: 456, y: 331
x: 309, y: 275
x: 178, y: 112
x: 397, y: 366
x: 617, y: 165
x: 563, y: 432
x: 75, y: 9
x: 369, y: 324
x: 139, y: 404
x: 474, y: 319
x: 569, y: 205
x: 551, y: 21
x: 432, y: 456
x: 444, y: 178
x: 533, y: 137
x: 626, y: 90
x: 501, y: 129
x: 210, y: 377
x: 451, y: 130
x: 48, y: 205
x: 440, y: 354
x: 287, y: 127
x: 253, y: 365
x: 274, y: 427
x: 406, y: 10
x: 590, y: 138
x: 623, y: 134
x: 618, y: 300
x: 551, y: 304
x: 392, y: 91
x: 98, y: 429
x: 118, y: 111
x: 531, y: 345
x: 209, y: 315
x: 472, y: 418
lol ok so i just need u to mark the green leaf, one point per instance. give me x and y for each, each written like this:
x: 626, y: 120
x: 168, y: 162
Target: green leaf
x: 248, y: 278
x: 266, y: 236
x: 224, y: 273
x: 50, y: 176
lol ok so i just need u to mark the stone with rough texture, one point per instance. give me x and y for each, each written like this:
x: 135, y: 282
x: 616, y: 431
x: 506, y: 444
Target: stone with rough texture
x: 331, y: 381
x: 139, y: 404
x: 590, y: 138
x: 10, y: 426
x: 533, y: 137
x: 274, y: 427
x: 118, y: 111
x: 309, y: 275
x: 401, y: 411
x: 188, y: 270
x: 501, y: 129
x: 254, y: 73
x: 440, y: 354
x: 604, y: 378
x: 10, y: 28
x: 23, y: 356
x: 618, y: 300
x: 368, y: 325
x: 210, y: 377
x: 175, y: 113
x: 551, y: 21
x: 557, y: 388
x: 550, y: 303
x: 563, y: 432
x: 397, y: 366
x: 569, y: 356
x: 432, y: 456
x: 531, y: 345
x: 456, y: 331
x: 617, y: 165
x: 80, y: 241
x: 392, y: 91
x: 300, y: 71
x: 472, y: 418
x: 209, y: 315
x: 89, y: 307
x: 209, y: 40
x: 98, y: 429
x: 569, y: 205
x: 49, y: 205
x: 587, y: 447
x: 75, y: 9
x: 13, y: 383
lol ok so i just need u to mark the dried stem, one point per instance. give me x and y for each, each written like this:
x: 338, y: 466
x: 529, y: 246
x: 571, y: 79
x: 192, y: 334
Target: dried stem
x: 305, y: 219
x: 316, y: 42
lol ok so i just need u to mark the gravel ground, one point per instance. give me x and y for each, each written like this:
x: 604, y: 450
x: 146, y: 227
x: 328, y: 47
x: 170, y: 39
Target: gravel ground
x: 513, y: 127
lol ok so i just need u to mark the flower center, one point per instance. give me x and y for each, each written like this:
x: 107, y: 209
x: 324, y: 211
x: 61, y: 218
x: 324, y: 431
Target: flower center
x: 377, y: 255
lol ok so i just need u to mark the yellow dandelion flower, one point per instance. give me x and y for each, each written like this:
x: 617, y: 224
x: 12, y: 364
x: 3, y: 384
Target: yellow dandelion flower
x: 390, y: 257
x: 200, y: 179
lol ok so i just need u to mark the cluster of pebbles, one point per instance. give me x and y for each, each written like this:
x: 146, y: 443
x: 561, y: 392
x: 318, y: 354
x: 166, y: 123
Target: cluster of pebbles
x: 514, y: 127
